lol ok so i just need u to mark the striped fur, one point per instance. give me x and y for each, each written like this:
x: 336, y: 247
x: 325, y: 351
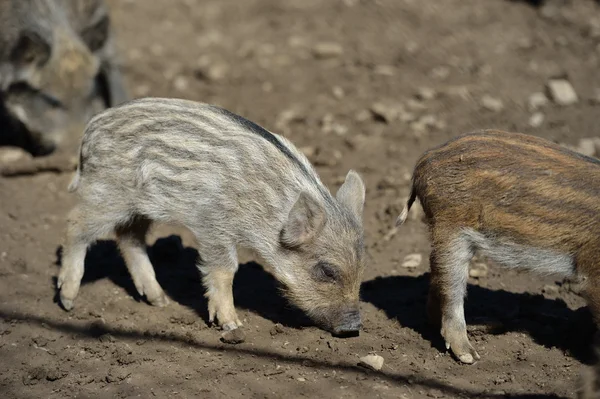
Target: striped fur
x: 232, y: 183
x: 521, y: 200
x: 57, y: 69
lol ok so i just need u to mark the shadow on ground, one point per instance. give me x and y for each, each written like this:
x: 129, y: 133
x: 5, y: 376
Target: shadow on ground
x: 549, y: 322
x: 96, y: 330
x: 176, y: 271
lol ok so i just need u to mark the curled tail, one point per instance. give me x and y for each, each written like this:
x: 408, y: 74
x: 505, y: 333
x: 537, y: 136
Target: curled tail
x: 404, y: 214
x: 75, y: 182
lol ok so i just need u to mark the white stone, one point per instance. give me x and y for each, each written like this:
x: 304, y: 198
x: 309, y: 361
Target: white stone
x: 562, y: 92
x: 412, y: 261
x: 373, y: 362
x: 537, y: 101
x: 327, y: 50
x: 492, y: 103
x: 536, y: 120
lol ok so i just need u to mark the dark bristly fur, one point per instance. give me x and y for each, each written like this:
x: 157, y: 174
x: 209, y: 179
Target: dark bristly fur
x: 522, y: 201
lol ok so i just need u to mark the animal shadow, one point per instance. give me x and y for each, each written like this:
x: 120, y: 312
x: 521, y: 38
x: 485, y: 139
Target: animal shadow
x: 177, y: 273
x: 549, y: 322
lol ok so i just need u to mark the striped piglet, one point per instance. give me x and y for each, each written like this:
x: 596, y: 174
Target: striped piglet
x: 522, y: 201
x: 232, y: 184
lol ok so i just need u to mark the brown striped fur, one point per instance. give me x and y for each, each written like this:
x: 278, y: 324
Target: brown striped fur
x: 523, y: 201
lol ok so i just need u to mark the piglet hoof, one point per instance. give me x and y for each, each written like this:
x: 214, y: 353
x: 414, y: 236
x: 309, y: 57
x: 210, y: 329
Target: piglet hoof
x: 160, y: 301
x: 466, y: 354
x: 67, y: 304
x: 232, y: 325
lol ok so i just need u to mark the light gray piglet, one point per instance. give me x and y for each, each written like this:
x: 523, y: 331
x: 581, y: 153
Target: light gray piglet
x: 233, y: 184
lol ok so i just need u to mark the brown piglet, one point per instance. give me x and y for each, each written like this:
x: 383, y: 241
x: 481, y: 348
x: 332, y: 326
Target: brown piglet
x: 521, y: 201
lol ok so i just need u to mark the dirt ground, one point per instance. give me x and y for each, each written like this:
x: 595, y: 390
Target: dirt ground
x: 363, y: 84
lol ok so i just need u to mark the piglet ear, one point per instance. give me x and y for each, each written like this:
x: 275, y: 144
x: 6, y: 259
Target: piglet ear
x: 352, y: 194
x: 305, y: 220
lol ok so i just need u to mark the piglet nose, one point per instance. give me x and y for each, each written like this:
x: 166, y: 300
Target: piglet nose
x: 350, y: 324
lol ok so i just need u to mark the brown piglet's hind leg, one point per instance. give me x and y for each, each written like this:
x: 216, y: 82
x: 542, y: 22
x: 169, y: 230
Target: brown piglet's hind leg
x: 450, y: 258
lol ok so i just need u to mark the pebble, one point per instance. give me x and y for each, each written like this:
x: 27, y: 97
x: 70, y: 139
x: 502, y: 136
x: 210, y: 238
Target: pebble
x: 440, y: 72
x: 412, y: 261
x: 537, y: 101
x: 384, y: 70
x: 426, y: 94
x: 562, y: 92
x: 384, y: 112
x: 211, y: 72
x: 478, y: 270
x: 308, y: 151
x: 13, y: 154
x: 236, y: 336
x: 277, y: 329
x: 536, y: 120
x: 180, y: 83
x: 373, y: 362
x: 338, y: 92
x: 587, y: 146
x: 550, y: 289
x: 492, y: 103
x: 325, y: 50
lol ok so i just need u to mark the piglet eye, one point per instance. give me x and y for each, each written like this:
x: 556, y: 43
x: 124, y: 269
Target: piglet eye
x: 326, y: 272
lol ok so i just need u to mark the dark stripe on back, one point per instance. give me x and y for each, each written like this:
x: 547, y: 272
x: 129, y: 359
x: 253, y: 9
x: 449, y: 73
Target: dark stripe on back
x: 262, y: 132
x: 271, y: 138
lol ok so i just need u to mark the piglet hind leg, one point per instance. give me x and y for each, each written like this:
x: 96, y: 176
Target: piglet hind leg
x: 132, y: 243
x: 218, y: 267
x: 81, y: 233
x: 448, y: 287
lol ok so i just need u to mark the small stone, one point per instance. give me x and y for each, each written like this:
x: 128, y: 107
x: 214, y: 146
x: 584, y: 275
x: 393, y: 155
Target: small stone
x: 435, y: 393
x: 536, y: 120
x: 106, y: 338
x: 492, y: 103
x: 478, y: 270
x: 40, y: 341
x: 550, y: 289
x: 277, y: 329
x: 301, y: 379
x: 308, y: 151
x: 426, y: 94
x: 562, y: 92
x: 384, y: 70
x: 234, y: 337
x: 13, y: 154
x: 537, y: 101
x: 338, y: 92
x: 211, y: 71
x: 440, y: 72
x: 412, y: 261
x: 384, y: 112
x: 363, y: 115
x: 56, y: 374
x: 142, y: 90
x: 287, y: 117
x: 180, y: 83
x: 326, y: 50
x: 587, y: 146
x: 373, y: 362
